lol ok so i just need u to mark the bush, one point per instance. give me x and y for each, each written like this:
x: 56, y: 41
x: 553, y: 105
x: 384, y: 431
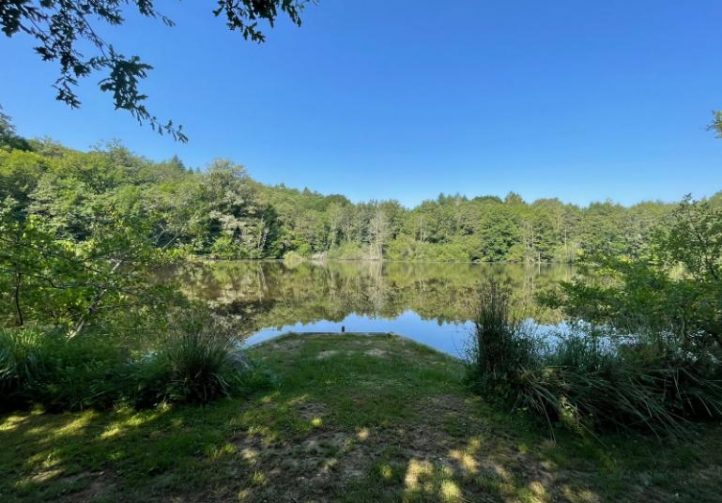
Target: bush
x: 348, y: 251
x: 43, y: 367
x: 292, y: 257
x: 500, y: 353
x: 671, y: 290
x: 591, y: 383
x: 406, y: 248
x: 197, y: 363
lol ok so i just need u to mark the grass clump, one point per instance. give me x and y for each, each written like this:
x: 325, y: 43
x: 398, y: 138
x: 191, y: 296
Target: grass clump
x: 629, y: 387
x: 196, y: 361
x: 42, y: 366
x: 500, y: 354
x: 590, y: 382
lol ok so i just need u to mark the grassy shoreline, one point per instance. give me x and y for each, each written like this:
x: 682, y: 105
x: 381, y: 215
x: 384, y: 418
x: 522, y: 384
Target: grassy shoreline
x: 351, y: 419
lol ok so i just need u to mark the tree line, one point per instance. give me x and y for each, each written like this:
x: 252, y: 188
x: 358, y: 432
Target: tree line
x: 221, y: 212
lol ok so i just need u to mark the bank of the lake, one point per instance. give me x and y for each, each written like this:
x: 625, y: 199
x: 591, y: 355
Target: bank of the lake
x: 352, y: 418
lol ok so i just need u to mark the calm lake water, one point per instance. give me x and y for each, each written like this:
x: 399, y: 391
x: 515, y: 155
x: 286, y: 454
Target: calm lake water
x: 431, y: 303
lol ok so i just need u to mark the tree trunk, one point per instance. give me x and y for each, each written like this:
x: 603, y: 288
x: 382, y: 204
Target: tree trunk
x: 18, y: 311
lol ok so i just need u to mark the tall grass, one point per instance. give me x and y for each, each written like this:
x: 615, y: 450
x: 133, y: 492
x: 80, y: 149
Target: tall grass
x: 20, y: 365
x: 196, y: 361
x: 41, y: 366
x: 500, y: 353
x: 587, y: 386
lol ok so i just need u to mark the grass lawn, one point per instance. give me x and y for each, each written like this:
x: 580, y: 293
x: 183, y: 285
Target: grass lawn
x: 353, y: 419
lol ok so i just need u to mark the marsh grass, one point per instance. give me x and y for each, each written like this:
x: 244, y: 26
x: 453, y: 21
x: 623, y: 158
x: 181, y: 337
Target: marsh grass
x: 587, y: 386
x: 196, y: 361
x: 500, y: 351
x: 41, y: 366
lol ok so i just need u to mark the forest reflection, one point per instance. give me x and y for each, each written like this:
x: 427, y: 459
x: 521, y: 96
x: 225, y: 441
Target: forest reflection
x: 273, y: 295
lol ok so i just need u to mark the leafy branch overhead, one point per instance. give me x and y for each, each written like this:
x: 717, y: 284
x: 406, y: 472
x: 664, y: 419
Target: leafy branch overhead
x: 64, y: 30
x: 716, y: 124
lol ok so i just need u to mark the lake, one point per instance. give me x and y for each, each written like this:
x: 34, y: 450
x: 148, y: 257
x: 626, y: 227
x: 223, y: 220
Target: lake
x: 432, y: 303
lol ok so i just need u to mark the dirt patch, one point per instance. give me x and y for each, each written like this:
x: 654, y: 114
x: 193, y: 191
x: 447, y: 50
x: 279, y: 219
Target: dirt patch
x: 379, y: 353
x: 444, y: 403
x: 100, y: 486
x: 310, y: 468
x: 328, y: 353
x: 286, y: 344
x: 311, y: 411
x: 86, y: 486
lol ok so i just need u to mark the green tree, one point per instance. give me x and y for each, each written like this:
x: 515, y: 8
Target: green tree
x: 674, y: 289
x: 378, y: 234
x: 8, y: 138
x: 56, y: 281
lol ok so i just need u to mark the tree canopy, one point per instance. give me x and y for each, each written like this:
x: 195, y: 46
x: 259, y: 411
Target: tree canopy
x: 222, y: 212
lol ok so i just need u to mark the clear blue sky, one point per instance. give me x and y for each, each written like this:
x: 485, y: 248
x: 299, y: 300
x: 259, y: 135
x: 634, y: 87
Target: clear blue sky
x: 406, y: 99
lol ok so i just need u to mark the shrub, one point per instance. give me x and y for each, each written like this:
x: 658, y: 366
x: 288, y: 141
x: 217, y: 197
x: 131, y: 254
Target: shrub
x: 591, y: 383
x: 197, y: 363
x: 500, y: 353
x: 671, y: 290
x: 293, y: 257
x: 347, y: 251
x: 43, y: 367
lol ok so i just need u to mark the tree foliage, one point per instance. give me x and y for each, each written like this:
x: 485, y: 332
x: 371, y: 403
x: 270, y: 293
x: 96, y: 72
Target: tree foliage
x: 66, y: 32
x: 8, y: 137
x: 223, y: 213
x: 671, y: 291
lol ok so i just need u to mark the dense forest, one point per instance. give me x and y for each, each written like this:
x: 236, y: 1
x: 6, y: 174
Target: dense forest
x: 221, y: 212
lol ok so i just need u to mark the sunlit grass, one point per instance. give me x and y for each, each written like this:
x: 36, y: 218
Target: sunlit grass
x: 395, y: 424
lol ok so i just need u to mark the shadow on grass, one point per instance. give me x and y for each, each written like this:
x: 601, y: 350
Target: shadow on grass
x: 353, y: 420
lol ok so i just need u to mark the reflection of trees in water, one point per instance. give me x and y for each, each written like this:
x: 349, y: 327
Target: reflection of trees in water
x: 276, y: 294
x: 378, y: 294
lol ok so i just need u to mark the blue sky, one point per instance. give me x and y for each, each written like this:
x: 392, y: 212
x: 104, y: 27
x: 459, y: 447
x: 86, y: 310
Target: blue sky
x: 405, y: 99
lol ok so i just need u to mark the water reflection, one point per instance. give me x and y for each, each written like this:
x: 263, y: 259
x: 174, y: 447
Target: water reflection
x: 431, y: 303
x: 449, y: 337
